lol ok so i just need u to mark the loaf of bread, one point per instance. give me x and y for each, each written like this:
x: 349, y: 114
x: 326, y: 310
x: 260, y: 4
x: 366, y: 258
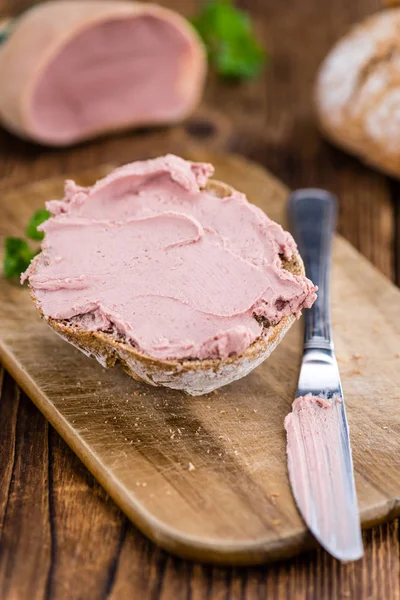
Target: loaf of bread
x: 172, y: 274
x: 75, y: 69
x: 358, y: 91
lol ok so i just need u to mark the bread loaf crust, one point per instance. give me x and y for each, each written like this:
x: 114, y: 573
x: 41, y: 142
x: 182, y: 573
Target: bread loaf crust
x: 357, y: 93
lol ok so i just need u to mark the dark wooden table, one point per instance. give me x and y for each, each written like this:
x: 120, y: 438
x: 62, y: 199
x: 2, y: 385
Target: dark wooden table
x: 60, y: 535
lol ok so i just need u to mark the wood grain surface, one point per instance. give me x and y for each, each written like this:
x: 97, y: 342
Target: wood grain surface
x: 61, y: 536
x: 206, y: 477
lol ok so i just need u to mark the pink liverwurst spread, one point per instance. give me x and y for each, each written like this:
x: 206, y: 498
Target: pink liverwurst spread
x: 314, y: 442
x: 151, y: 256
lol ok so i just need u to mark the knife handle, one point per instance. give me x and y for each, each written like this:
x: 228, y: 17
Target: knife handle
x: 312, y: 217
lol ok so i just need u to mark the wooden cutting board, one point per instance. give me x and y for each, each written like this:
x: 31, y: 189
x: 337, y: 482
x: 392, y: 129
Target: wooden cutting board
x: 206, y: 477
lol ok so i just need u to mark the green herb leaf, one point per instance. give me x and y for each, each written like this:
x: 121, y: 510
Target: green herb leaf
x: 17, y: 257
x: 6, y: 29
x: 37, y: 219
x: 229, y: 38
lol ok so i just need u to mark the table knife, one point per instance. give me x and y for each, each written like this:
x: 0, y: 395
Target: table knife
x: 321, y: 471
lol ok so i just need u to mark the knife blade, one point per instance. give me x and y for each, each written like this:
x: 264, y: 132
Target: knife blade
x: 319, y: 453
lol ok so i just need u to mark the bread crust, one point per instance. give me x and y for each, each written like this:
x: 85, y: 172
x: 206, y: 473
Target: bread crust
x: 195, y: 376
x: 357, y: 92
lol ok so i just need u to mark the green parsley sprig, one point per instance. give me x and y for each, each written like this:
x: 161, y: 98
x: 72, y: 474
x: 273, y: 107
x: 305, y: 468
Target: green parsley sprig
x: 228, y: 35
x: 17, y: 252
x: 39, y: 217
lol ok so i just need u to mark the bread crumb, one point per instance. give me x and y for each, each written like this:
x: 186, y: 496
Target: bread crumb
x: 208, y: 406
x: 255, y: 410
x: 222, y: 412
x: 274, y: 496
x: 136, y: 393
x: 356, y: 372
x: 385, y: 427
x: 356, y: 356
x: 191, y: 467
x: 276, y: 522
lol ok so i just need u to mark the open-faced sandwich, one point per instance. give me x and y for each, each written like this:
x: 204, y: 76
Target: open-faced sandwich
x: 173, y: 274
